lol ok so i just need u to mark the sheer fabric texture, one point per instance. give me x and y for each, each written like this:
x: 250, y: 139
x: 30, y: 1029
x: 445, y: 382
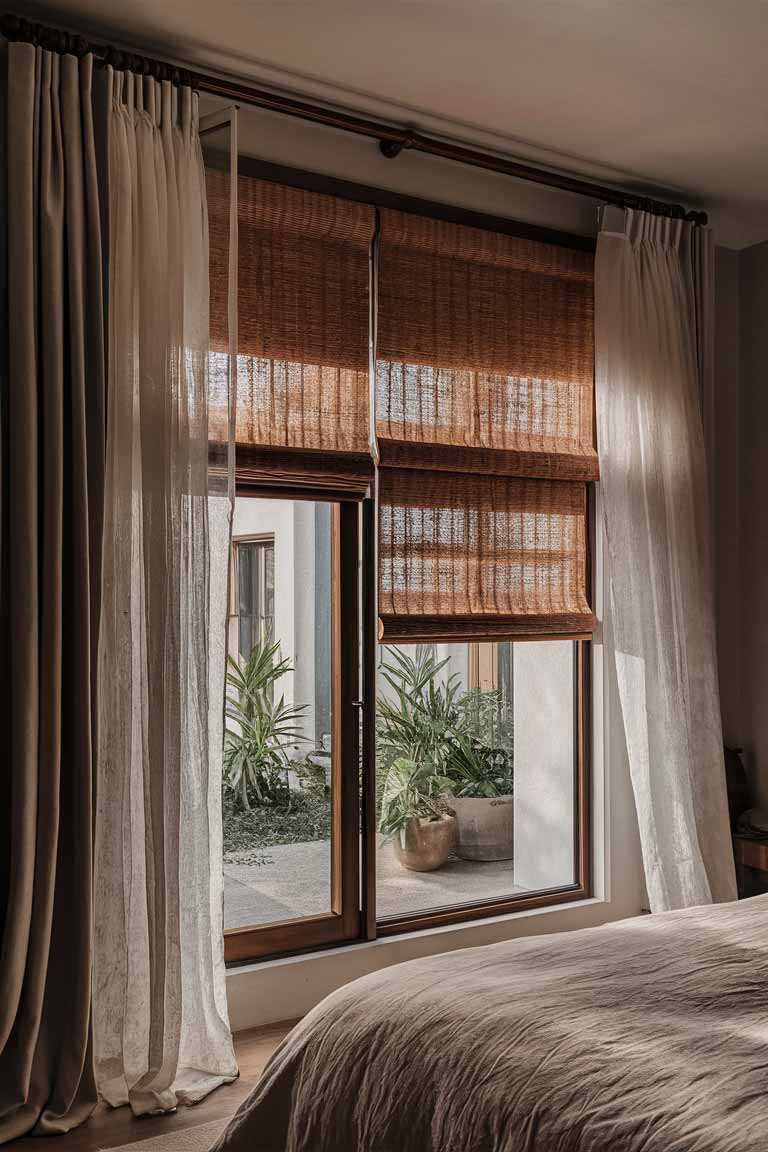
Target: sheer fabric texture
x: 160, y: 1016
x: 653, y: 311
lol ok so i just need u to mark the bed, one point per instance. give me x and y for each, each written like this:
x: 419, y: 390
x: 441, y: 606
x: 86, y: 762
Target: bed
x: 649, y: 1035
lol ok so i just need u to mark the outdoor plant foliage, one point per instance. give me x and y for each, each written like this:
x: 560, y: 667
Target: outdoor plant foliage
x: 435, y: 740
x: 263, y: 729
x: 411, y: 791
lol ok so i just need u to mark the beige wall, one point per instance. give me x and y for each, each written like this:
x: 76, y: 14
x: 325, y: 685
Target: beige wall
x: 745, y: 591
x: 724, y: 438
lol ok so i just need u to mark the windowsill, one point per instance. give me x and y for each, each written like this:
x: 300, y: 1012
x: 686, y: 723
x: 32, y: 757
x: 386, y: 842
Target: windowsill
x: 285, y: 987
x: 448, y: 930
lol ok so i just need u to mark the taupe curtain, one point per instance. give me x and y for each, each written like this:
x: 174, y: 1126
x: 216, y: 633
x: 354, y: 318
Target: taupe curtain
x: 52, y: 485
x: 485, y: 430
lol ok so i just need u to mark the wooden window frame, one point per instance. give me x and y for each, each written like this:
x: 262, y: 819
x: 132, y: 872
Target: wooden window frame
x: 237, y: 542
x: 581, y: 888
x: 342, y: 924
x: 353, y: 917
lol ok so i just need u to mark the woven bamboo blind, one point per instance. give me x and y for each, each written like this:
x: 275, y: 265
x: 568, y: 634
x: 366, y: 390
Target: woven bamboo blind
x: 303, y: 320
x: 467, y: 556
x: 485, y: 427
x: 484, y: 342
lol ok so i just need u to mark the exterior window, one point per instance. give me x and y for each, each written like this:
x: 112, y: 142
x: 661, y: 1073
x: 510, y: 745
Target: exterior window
x: 407, y: 736
x: 477, y: 764
x: 255, y: 606
x: 290, y: 792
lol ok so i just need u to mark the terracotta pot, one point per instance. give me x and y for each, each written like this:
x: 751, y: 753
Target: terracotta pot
x: 428, y: 843
x: 485, y: 827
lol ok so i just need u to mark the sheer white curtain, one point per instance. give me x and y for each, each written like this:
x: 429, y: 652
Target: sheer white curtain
x: 160, y: 1018
x: 653, y: 314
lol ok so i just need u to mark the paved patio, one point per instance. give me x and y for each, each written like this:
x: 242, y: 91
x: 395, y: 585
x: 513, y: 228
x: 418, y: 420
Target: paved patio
x: 295, y: 881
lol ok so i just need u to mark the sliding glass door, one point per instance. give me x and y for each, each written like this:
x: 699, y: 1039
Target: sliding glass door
x: 291, y: 754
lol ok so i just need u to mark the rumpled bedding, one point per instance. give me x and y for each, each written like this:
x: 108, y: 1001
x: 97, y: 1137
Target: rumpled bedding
x: 648, y: 1035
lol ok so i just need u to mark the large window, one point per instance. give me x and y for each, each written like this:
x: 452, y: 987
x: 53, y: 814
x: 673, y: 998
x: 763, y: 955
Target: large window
x: 407, y: 736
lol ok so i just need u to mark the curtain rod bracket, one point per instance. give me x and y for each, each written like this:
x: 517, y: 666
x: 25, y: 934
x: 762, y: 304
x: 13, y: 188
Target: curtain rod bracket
x: 391, y: 147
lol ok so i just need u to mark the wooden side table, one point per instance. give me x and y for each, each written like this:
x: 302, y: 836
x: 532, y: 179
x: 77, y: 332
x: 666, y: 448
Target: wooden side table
x: 750, y: 853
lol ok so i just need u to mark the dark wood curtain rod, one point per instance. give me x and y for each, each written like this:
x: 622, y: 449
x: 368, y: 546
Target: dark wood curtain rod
x: 392, y: 139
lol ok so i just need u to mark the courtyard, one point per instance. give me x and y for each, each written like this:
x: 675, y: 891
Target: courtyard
x: 291, y: 880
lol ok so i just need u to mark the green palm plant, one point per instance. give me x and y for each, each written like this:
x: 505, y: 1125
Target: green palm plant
x: 464, y: 738
x: 480, y: 763
x: 256, y: 748
x: 417, y: 722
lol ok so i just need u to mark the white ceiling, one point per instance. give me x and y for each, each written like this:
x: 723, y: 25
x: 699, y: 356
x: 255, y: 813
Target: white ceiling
x: 669, y: 94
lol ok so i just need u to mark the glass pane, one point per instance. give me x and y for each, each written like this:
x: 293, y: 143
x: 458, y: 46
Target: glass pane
x: 277, y: 761
x: 255, y: 563
x: 475, y: 773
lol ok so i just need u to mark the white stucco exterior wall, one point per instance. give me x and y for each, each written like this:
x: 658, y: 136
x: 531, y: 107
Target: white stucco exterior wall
x: 544, y: 764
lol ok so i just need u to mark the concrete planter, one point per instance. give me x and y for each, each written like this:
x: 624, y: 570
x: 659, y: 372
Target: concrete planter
x: 485, y: 827
x: 425, y: 845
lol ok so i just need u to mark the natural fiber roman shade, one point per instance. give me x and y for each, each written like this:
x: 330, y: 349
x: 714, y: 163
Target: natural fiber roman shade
x: 485, y: 429
x: 484, y: 343
x: 303, y: 327
x: 468, y: 556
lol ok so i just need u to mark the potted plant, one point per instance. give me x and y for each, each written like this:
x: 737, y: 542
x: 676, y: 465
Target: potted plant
x: 480, y: 772
x: 423, y: 833
x: 463, y: 739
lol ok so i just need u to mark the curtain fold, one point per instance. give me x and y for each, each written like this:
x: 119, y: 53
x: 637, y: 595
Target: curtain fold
x: 160, y: 1016
x: 52, y: 480
x: 652, y: 303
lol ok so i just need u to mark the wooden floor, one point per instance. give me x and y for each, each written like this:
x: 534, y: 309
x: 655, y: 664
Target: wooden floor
x: 110, y: 1127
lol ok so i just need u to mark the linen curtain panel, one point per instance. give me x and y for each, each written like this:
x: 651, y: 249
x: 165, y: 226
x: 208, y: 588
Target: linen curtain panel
x: 51, y: 480
x: 653, y: 311
x: 485, y: 431
x: 160, y: 1017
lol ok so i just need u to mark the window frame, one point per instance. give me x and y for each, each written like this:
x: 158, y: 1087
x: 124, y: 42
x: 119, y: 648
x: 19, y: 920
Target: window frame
x: 581, y: 888
x: 234, y: 597
x: 358, y: 618
x: 342, y: 924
